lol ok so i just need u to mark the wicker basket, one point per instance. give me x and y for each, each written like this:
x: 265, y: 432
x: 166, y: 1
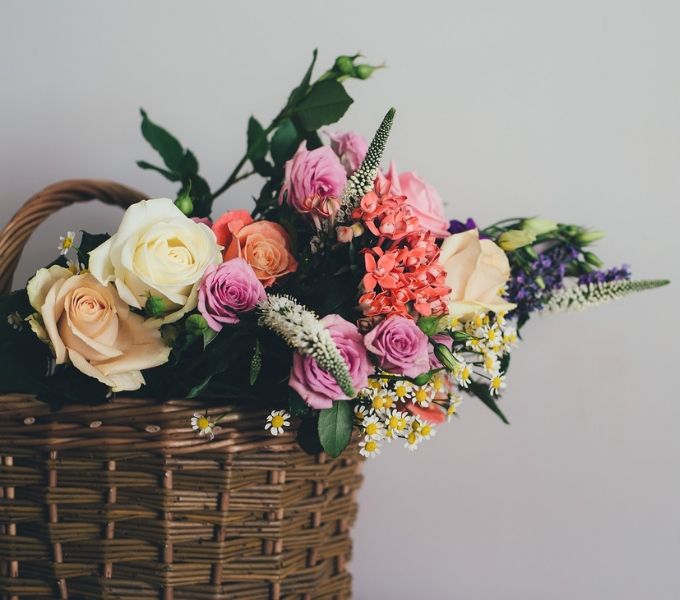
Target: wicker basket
x: 124, y: 501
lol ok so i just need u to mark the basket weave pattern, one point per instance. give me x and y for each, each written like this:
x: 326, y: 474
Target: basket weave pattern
x: 125, y: 501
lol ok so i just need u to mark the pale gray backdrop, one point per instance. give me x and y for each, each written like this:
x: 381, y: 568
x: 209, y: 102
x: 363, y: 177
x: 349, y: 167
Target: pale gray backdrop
x: 570, y: 110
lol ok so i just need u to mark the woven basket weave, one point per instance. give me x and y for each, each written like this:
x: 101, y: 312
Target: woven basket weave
x: 124, y: 501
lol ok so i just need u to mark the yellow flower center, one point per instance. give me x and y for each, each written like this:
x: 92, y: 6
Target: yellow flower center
x: 412, y: 438
x: 67, y: 243
x: 401, y: 391
x: 371, y: 429
x: 278, y: 421
x: 426, y: 430
x: 378, y: 402
x: 203, y: 423
x: 371, y: 446
x: 421, y: 395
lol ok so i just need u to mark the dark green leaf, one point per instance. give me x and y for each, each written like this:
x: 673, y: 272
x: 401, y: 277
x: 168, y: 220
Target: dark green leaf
x: 255, y: 363
x: 197, y: 389
x: 482, y: 392
x: 284, y: 142
x: 208, y: 336
x: 88, y: 242
x: 296, y: 405
x: 505, y: 362
x: 335, y: 427
x: 308, y: 435
x: 257, y: 140
x: 167, y: 174
x: 263, y: 167
x: 326, y: 103
x: 299, y: 92
x: 163, y: 142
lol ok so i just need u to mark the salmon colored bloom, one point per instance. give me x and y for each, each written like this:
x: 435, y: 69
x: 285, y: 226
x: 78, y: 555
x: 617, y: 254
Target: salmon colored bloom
x: 228, y: 224
x: 265, y: 246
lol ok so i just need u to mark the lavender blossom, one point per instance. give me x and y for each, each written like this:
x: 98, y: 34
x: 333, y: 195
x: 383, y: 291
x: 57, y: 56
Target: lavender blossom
x: 614, y: 274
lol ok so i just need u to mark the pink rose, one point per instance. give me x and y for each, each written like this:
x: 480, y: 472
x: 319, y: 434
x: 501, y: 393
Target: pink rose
x: 400, y: 346
x: 317, y: 387
x: 351, y: 149
x: 227, y: 290
x: 421, y: 197
x: 313, y: 183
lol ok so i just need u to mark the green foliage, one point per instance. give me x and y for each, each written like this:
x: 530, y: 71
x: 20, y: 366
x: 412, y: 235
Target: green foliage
x: 326, y: 102
x: 181, y: 165
x: 88, y: 242
x: 284, y: 142
x: 482, y: 392
x: 335, y: 427
x: 255, y: 363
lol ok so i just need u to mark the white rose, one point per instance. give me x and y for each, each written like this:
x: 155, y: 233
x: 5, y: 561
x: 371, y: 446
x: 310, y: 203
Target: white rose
x: 88, y: 325
x: 157, y: 251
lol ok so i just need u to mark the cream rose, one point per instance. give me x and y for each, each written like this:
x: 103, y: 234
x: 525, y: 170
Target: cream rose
x: 157, y: 251
x: 87, y: 324
x: 476, y: 271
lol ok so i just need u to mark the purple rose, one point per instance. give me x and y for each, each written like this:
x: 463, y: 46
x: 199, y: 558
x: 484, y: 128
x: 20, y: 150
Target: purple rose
x: 312, y: 177
x: 317, y: 387
x: 351, y: 149
x: 400, y: 346
x: 226, y: 290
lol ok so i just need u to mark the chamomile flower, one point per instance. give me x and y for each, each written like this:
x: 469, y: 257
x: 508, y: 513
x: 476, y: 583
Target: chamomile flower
x: 203, y: 425
x: 475, y: 344
x: 439, y: 383
x: 66, y: 242
x: 463, y: 373
x: 14, y: 319
x: 493, y: 335
x: 369, y: 448
x: 373, y: 427
x: 426, y: 431
x: 376, y: 385
x: 403, y: 390
x: 423, y: 394
x: 397, y: 422
x: 454, y: 402
x: 412, y: 440
x: 509, y: 337
x: 496, y: 384
x: 276, y: 421
x: 491, y: 363
x: 501, y: 318
x: 382, y: 401
x: 361, y: 412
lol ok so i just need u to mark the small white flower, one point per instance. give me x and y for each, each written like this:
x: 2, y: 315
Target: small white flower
x: 403, y: 390
x: 454, y: 402
x: 203, y: 425
x: 369, y: 448
x: 463, y: 373
x: 14, y: 319
x: 423, y: 395
x: 361, y: 412
x: 397, y: 422
x: 374, y: 429
x: 426, y: 431
x: 412, y: 440
x: 66, y: 242
x: 496, y: 384
x: 491, y: 363
x: 276, y: 421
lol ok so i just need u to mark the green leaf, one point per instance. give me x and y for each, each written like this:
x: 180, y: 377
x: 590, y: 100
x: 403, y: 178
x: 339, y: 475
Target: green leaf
x: 208, y: 336
x: 257, y: 140
x: 197, y: 389
x: 149, y: 167
x: 263, y: 167
x: 284, y: 142
x: 335, y: 427
x: 326, y: 102
x: 88, y: 242
x: 163, y: 142
x: 482, y: 392
x: 429, y: 325
x: 255, y: 363
x: 308, y: 435
x: 299, y: 92
x: 296, y: 405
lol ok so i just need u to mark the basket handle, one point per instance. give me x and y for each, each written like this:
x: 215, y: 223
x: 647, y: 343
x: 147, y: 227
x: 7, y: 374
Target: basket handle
x: 14, y: 236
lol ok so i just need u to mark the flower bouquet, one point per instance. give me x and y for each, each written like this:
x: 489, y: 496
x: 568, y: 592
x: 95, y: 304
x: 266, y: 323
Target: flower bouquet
x: 342, y: 308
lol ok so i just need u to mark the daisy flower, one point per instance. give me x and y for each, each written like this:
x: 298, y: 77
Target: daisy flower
x: 276, y: 421
x: 203, y: 425
x: 369, y: 448
x: 361, y: 412
x: 426, y: 431
x: 66, y: 242
x: 412, y: 441
x: 463, y: 374
x: 454, y: 402
x: 496, y: 384
x: 397, y: 422
x: 423, y: 395
x: 403, y: 390
x: 374, y: 429
x: 491, y: 363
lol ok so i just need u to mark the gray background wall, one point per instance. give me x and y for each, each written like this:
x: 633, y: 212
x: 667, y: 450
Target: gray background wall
x: 565, y: 109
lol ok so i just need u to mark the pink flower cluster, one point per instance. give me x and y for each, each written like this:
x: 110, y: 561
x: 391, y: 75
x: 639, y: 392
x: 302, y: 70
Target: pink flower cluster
x: 403, y: 275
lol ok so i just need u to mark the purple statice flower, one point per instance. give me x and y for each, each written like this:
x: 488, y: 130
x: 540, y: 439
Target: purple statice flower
x: 456, y: 226
x: 529, y: 286
x: 613, y: 274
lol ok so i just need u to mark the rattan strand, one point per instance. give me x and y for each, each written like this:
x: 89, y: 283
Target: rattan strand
x: 124, y: 501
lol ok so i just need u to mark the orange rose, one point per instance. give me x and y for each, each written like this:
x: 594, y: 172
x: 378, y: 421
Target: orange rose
x: 265, y: 246
x: 230, y: 223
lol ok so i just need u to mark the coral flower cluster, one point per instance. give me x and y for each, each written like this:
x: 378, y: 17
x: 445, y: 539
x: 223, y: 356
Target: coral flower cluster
x: 403, y: 275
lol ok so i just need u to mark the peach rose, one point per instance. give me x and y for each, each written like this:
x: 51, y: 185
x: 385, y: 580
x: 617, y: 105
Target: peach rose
x: 476, y: 271
x: 88, y: 324
x: 265, y: 246
x: 228, y: 223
